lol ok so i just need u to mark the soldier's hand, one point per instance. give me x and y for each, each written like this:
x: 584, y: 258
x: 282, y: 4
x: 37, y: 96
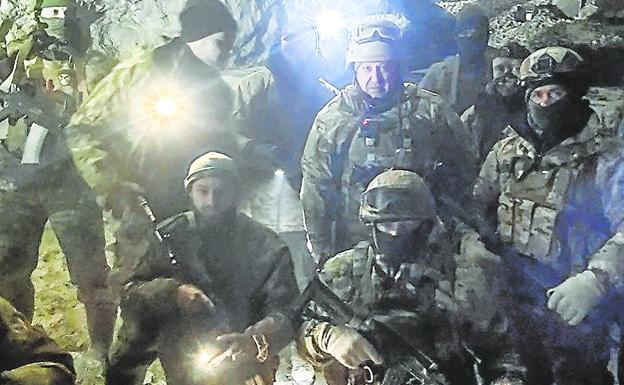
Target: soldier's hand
x: 349, y: 347
x: 192, y: 300
x: 237, y: 346
x: 575, y: 298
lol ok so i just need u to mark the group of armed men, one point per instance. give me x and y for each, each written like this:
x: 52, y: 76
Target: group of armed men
x: 470, y: 224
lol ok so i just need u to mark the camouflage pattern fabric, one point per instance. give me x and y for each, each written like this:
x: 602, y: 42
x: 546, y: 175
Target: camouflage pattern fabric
x: 420, y: 133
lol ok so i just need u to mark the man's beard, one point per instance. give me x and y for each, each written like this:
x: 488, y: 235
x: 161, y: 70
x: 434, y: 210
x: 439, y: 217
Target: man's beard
x: 507, y: 86
x: 210, y: 220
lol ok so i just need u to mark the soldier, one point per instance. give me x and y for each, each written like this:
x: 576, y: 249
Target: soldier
x: 375, y: 124
x: 459, y: 79
x: 552, y: 188
x: 501, y: 103
x: 27, y: 355
x: 231, y: 272
x: 424, y: 47
x: 40, y: 183
x: 152, y: 115
x: 402, y: 272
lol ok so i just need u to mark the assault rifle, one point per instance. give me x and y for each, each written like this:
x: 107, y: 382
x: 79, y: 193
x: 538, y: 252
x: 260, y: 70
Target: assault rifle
x: 32, y: 104
x: 530, y: 276
x: 525, y: 278
x: 404, y: 363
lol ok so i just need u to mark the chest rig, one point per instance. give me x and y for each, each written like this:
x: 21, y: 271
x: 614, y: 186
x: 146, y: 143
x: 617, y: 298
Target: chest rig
x: 378, y: 143
x: 379, y: 286
x: 535, y: 190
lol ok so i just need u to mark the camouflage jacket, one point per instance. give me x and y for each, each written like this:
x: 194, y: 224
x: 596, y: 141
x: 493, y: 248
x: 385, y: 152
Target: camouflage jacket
x: 27, y: 355
x: 116, y: 134
x: 564, y: 207
x: 418, y: 299
x: 445, y: 79
x: 348, y: 146
x: 243, y: 266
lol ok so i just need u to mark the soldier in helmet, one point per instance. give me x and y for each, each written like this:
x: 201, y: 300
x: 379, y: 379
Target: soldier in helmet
x: 552, y: 190
x: 404, y: 269
x: 501, y: 102
x: 231, y: 275
x: 374, y: 124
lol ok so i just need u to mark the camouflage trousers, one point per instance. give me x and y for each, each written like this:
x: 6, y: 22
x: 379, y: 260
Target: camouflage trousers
x: 64, y: 199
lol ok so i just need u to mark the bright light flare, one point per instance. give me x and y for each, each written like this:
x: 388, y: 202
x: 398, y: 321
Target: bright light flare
x: 163, y: 107
x: 166, y: 107
x: 329, y: 24
x: 279, y: 172
x: 205, y: 356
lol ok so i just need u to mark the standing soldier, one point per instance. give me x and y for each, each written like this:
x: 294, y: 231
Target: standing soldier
x: 553, y: 189
x: 40, y: 183
x: 460, y: 78
x: 375, y: 124
x: 403, y: 274
x: 27, y: 355
x: 501, y: 103
x: 231, y: 272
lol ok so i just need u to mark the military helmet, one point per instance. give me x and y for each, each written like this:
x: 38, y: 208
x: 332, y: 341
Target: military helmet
x: 396, y: 195
x: 549, y: 62
x: 375, y: 40
x: 212, y: 163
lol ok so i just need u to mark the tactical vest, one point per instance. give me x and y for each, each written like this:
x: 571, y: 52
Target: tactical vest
x: 538, y: 192
x: 397, y: 138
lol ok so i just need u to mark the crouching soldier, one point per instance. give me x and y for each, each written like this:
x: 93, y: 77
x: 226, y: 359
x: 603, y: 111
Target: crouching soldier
x: 27, y: 355
x: 229, y: 273
x: 402, y: 276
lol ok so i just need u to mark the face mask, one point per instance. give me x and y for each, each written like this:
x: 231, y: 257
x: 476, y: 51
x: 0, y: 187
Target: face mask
x: 55, y: 27
x: 557, y: 122
x: 394, y: 250
x: 471, y: 47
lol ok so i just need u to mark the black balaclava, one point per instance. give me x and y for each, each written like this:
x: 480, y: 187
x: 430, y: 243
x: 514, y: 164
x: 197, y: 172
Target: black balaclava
x: 472, y: 48
x: 565, y: 118
x: 395, y: 250
x: 201, y: 19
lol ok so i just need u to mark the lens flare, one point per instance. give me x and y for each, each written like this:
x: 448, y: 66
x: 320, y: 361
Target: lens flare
x: 166, y: 107
x: 329, y: 23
